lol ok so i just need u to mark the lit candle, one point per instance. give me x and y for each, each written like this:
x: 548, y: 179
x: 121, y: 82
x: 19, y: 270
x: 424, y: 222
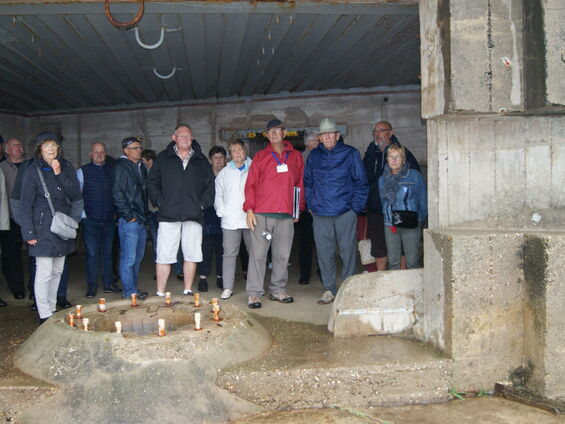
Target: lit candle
x: 85, y: 322
x: 168, y: 298
x: 118, y: 327
x: 197, y: 300
x: 101, y: 305
x: 217, y: 314
x: 134, y: 300
x: 71, y: 319
x: 214, y: 302
x: 197, y: 321
x: 79, y: 312
x: 161, y: 323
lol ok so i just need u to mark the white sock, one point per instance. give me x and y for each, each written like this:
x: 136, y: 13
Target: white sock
x: 160, y: 294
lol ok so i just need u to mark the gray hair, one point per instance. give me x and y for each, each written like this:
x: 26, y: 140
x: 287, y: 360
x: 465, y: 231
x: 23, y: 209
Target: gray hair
x: 310, y: 134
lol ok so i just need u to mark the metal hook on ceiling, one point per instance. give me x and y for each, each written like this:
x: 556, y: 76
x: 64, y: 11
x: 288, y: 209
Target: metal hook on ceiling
x: 159, y: 42
x: 124, y: 25
x: 165, y: 76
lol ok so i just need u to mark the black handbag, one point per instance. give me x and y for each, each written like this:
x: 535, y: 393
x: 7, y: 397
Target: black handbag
x: 405, y: 218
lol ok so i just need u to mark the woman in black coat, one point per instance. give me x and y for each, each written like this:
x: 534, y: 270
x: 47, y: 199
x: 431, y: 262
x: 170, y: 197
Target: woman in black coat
x: 35, y: 217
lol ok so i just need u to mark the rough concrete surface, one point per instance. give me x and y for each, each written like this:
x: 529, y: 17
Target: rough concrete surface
x: 19, y: 391
x: 554, y: 15
x: 377, y: 303
x: 472, y: 184
x: 108, y: 377
x: 307, y: 367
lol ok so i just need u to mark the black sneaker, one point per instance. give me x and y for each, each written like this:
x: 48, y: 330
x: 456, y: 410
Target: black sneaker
x: 33, y: 307
x: 202, y: 285
x: 90, y: 294
x: 112, y: 289
x: 142, y: 295
x: 2, y: 303
x: 19, y: 296
x: 180, y: 277
x: 63, y: 303
x: 220, y: 283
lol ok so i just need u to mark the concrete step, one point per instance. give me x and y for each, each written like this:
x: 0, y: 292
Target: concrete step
x: 307, y: 368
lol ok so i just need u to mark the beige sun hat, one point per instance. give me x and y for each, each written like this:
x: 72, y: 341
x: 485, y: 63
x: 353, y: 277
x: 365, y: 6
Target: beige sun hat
x: 327, y: 125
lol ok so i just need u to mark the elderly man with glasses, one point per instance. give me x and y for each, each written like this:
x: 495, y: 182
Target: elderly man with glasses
x: 274, y: 192
x: 374, y: 162
x: 130, y: 199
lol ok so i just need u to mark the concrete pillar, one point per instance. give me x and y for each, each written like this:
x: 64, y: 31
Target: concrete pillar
x: 493, y: 96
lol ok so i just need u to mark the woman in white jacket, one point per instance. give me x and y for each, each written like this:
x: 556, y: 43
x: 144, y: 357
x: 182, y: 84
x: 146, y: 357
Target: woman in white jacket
x: 230, y: 185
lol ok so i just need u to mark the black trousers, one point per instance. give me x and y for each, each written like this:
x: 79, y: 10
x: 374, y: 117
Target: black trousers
x: 12, y: 266
x: 305, y: 234
x: 211, y: 244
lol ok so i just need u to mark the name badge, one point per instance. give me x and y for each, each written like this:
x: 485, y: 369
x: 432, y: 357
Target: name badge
x: 282, y: 168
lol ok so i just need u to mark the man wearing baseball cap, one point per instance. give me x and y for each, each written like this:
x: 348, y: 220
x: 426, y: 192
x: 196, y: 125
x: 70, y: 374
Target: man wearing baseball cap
x: 336, y: 191
x: 130, y: 199
x: 275, y: 179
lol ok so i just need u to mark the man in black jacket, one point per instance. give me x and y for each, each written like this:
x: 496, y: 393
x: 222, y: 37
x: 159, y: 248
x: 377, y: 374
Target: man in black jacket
x: 130, y: 199
x: 374, y: 162
x: 181, y: 185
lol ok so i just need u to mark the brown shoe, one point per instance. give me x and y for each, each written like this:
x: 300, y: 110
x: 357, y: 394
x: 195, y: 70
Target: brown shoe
x: 282, y: 297
x: 253, y: 302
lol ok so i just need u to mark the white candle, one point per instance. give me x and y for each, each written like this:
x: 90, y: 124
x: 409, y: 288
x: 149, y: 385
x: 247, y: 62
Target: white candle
x: 197, y: 321
x: 118, y: 327
x: 85, y: 322
x: 161, y: 324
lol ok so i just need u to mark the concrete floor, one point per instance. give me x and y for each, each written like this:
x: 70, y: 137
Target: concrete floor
x: 18, y: 390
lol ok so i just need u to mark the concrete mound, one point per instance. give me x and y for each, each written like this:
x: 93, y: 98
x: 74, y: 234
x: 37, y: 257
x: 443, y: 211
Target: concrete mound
x: 136, y: 377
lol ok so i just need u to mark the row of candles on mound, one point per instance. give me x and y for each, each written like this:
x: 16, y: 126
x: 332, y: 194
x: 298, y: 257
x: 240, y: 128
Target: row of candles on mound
x: 160, y: 322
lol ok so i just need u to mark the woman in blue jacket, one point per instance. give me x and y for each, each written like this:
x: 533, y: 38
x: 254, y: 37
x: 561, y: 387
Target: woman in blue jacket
x: 402, y: 189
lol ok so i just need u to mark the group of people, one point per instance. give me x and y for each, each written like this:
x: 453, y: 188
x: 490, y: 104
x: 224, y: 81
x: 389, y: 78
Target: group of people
x: 195, y: 206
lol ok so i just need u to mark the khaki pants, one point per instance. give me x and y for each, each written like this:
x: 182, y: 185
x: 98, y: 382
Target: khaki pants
x: 282, y: 231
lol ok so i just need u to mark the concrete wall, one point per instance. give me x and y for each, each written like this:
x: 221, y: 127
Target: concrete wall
x: 496, y: 171
x: 554, y: 16
x: 358, y: 111
x: 492, y: 91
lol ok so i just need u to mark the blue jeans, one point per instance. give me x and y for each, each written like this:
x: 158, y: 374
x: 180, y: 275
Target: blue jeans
x: 132, y: 249
x: 98, y: 239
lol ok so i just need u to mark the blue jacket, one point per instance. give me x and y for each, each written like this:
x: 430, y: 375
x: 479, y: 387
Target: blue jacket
x: 411, y: 194
x: 335, y: 180
x: 374, y: 162
x: 97, y: 192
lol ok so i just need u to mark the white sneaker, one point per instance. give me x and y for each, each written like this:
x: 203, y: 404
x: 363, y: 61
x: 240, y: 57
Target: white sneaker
x: 226, y: 294
x: 326, y: 298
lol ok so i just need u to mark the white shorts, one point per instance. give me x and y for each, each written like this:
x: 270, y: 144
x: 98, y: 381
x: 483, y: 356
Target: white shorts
x: 189, y: 233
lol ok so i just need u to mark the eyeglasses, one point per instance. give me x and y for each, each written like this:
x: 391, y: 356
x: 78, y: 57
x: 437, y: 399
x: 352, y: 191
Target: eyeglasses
x: 135, y: 148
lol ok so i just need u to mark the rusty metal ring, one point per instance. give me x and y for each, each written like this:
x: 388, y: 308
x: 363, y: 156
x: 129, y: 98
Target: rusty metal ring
x: 124, y: 25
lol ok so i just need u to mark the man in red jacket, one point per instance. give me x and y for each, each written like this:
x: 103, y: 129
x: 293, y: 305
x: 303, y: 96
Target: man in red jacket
x: 274, y: 180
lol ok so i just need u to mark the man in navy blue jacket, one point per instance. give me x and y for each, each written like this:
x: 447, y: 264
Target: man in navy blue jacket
x: 336, y: 190
x: 98, y: 220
